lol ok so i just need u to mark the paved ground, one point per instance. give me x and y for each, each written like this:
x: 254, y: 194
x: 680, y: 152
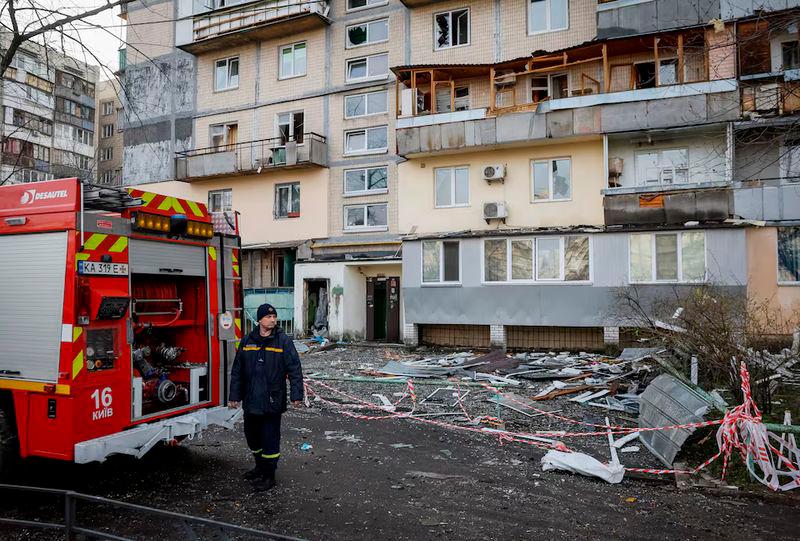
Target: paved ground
x: 383, y: 480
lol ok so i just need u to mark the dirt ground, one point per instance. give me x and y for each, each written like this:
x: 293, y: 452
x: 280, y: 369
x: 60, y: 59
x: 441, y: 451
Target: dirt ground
x: 393, y: 479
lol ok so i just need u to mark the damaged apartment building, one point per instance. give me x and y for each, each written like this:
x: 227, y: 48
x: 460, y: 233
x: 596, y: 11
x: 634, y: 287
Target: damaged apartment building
x: 656, y: 154
x: 476, y: 173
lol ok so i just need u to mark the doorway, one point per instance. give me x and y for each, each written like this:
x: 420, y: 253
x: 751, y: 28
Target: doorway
x: 315, y: 308
x: 383, y: 309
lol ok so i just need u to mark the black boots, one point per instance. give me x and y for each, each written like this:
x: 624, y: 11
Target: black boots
x: 256, y: 472
x: 266, y: 482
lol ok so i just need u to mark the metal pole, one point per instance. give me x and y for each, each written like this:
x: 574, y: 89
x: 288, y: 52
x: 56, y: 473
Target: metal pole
x: 69, y: 516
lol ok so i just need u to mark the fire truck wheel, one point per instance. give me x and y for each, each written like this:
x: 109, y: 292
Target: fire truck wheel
x: 8, y: 440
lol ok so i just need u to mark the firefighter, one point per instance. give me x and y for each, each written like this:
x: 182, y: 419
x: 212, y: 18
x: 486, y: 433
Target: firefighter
x: 265, y: 358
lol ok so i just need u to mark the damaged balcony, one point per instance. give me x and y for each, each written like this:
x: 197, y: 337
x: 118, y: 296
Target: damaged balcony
x: 669, y: 80
x: 669, y: 176
x: 253, y: 157
x: 231, y: 26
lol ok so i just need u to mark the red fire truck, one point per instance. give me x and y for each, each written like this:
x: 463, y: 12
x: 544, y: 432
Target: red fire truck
x: 120, y: 313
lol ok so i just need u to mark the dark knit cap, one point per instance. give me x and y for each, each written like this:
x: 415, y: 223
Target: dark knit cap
x: 265, y: 310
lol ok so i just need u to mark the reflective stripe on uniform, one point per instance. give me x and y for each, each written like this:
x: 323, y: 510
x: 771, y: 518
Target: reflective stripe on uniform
x: 276, y: 455
x: 256, y: 452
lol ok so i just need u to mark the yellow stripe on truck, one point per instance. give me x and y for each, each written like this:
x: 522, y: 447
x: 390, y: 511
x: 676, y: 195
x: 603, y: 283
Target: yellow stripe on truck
x: 94, y: 241
x: 120, y: 246
x: 77, y: 364
x: 195, y: 209
x: 31, y: 386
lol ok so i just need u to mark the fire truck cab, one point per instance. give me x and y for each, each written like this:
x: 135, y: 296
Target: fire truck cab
x: 120, y: 314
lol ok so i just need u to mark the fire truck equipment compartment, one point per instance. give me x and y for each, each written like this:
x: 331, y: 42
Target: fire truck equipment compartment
x: 31, y: 303
x: 150, y: 257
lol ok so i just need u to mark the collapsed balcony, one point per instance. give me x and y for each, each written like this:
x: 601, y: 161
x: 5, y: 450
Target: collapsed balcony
x: 253, y: 157
x: 253, y: 21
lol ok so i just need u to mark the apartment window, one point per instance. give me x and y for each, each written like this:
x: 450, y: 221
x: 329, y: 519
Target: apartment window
x: 366, y: 141
x: 108, y: 130
x: 668, y: 71
x: 31, y: 175
x: 41, y: 153
x: 291, y: 126
x: 547, y: 15
x: 360, y: 217
x: 370, y: 103
x: 790, y: 160
x: 667, y: 257
x: 293, y: 60
x: 551, y: 179
x: 367, y: 33
x: 220, y: 200
x: 645, y: 73
x: 226, y: 74
x: 362, y: 4
x: 287, y: 200
x: 368, y: 68
x: 106, y: 153
x: 665, y: 166
x: 223, y: 135
x: 441, y: 261
x: 790, y: 55
x: 452, y: 28
x: 364, y: 181
x: 554, y: 86
x: 107, y: 177
x: 107, y: 108
x: 789, y: 254
x: 452, y: 187
x: 459, y: 95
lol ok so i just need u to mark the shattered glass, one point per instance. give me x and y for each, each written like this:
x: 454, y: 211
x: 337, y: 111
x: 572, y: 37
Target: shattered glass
x: 576, y: 259
x: 430, y: 261
x: 495, y: 257
x: 521, y: 260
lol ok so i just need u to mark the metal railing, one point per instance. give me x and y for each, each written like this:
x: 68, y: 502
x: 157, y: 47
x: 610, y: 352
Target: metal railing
x: 238, y: 18
x: 189, y: 527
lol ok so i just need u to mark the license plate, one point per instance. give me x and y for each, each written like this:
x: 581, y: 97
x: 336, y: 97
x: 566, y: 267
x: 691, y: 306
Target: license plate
x: 98, y: 267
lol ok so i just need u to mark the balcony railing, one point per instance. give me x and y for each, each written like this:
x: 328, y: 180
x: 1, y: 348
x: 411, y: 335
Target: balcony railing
x: 254, y: 20
x: 253, y: 157
x: 770, y: 96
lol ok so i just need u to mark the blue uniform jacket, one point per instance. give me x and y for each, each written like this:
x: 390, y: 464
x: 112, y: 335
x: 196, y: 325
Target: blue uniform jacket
x: 258, y: 377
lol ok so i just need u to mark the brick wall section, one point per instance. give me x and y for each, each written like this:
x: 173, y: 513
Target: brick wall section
x: 411, y: 334
x: 149, y: 33
x: 497, y: 336
x: 721, y: 53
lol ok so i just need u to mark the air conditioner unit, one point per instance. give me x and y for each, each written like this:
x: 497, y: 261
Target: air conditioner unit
x: 494, y: 172
x: 495, y: 210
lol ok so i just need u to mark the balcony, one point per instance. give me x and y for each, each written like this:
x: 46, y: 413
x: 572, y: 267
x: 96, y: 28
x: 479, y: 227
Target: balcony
x: 582, y: 91
x: 251, y: 22
x: 253, y: 157
x: 419, y: 3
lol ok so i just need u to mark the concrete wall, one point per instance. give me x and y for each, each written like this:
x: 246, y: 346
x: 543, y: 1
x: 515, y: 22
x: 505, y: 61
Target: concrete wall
x: 731, y: 9
x: 109, y: 91
x: 763, y: 286
x: 347, y: 294
x: 417, y: 201
x: 254, y: 197
x: 555, y: 303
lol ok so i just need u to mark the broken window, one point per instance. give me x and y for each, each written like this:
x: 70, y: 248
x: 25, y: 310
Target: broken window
x: 223, y: 135
x: 790, y: 55
x: 291, y: 126
x: 668, y: 72
x: 365, y: 180
x: 452, y: 28
x: 551, y: 179
x: 452, y: 187
x: 495, y: 257
x: 559, y: 86
x: 226, y: 74
x: 576, y: 259
x: 522, y: 260
x: 547, y: 15
x: 220, y: 200
x: 293, y: 60
x: 374, y: 216
x: 667, y: 257
x: 539, y: 89
x: 548, y: 258
x: 664, y: 166
x: 366, y: 141
x: 789, y: 254
x: 367, y: 33
x: 366, y: 68
x: 370, y: 103
x: 441, y: 261
x: 287, y: 200
x: 645, y: 74
x: 790, y: 160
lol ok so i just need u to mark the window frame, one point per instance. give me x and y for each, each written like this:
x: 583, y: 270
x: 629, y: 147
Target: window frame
x: 107, y: 128
x: 366, y: 150
x: 348, y: 45
x: 105, y: 105
x: 292, y: 135
x: 366, y: 227
x: 366, y: 103
x: 366, y: 190
x: 551, y: 180
x: 654, y: 254
x: 290, y: 214
x: 226, y: 127
x: 222, y: 192
x: 659, y: 152
x: 535, y: 280
x: 367, y: 77
x: 549, y: 19
x: 449, y: 13
x: 106, y: 154
x: 282, y: 76
x: 227, y: 61
x: 441, y: 282
x: 452, y: 169
x: 782, y: 44
x: 375, y: 3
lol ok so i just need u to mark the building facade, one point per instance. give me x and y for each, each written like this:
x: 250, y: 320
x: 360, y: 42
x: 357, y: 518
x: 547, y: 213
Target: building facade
x: 48, y: 125
x: 110, y: 146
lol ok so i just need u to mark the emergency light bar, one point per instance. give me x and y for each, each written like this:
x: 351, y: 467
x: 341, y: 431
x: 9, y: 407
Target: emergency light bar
x: 199, y: 229
x: 152, y: 222
x: 164, y: 224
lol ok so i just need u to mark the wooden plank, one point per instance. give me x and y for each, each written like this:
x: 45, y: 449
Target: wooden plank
x: 414, y: 93
x: 655, y: 60
x: 606, y: 70
x: 492, y: 94
x: 681, y: 65
x: 560, y: 67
